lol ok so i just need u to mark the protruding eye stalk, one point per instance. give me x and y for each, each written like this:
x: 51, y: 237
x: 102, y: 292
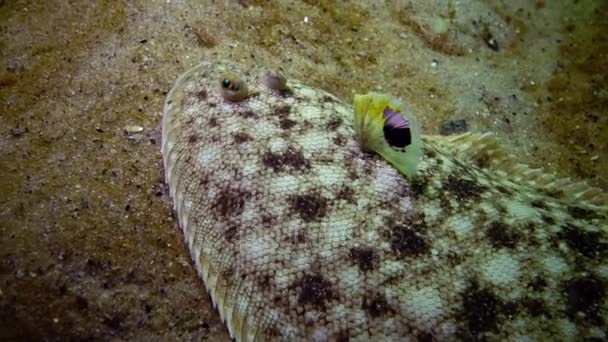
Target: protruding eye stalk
x: 275, y: 81
x: 385, y: 126
x: 233, y: 89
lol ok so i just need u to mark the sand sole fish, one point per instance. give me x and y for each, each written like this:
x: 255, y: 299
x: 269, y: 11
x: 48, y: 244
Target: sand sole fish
x: 298, y: 234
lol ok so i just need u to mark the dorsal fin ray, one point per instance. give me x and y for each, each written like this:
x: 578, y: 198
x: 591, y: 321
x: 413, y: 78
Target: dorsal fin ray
x: 484, y: 151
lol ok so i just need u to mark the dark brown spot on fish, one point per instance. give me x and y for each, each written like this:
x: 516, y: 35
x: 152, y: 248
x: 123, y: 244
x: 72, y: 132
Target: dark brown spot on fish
x: 213, y: 122
x: 201, y: 94
x: 585, y: 295
x: 535, y: 307
x: 241, y: 137
x: 500, y: 235
x: 482, y: 161
x: 285, y: 92
x: 539, y: 204
x: 286, y: 123
x: 585, y: 242
x: 376, y: 306
x: 272, y: 332
x: 248, y: 114
x: 289, y: 160
x: 297, y: 238
x: 548, y: 219
x: 425, y: 336
x: 339, y: 140
x: 583, y: 214
x: 327, y: 98
x: 552, y: 193
x: 503, y: 190
x: 463, y: 189
x: 268, y: 220
x: 193, y: 139
x: 407, y: 240
x: 538, y: 283
x: 342, y: 336
x: 231, y: 202
x: 479, y: 311
x: 264, y: 281
x: 428, y: 153
x: 230, y: 233
x: 363, y: 257
x: 334, y: 123
x: 418, y: 185
x: 282, y: 111
x: 311, y: 207
x: 347, y: 194
x: 315, y: 290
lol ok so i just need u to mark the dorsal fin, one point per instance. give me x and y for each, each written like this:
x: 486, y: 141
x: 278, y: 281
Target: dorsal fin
x: 483, y: 151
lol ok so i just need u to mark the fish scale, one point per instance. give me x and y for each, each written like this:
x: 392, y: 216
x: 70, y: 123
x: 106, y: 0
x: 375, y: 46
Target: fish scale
x: 300, y: 235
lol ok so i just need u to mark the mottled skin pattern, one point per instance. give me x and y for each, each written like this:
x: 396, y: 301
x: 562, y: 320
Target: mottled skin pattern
x: 299, y: 235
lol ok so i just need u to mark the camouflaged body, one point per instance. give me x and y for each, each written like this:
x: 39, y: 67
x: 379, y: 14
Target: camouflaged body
x: 299, y: 235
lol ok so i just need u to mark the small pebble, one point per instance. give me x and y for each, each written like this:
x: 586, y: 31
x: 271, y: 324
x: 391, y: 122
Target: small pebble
x: 434, y: 63
x: 133, y: 129
x: 595, y: 157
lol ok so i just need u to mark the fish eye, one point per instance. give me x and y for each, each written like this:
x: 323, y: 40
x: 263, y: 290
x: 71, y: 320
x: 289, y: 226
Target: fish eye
x: 397, y: 132
x: 233, y: 88
x: 387, y: 127
x: 275, y: 81
x: 226, y: 83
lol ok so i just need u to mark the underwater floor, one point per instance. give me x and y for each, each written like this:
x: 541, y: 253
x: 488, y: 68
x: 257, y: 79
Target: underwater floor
x: 89, y: 248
